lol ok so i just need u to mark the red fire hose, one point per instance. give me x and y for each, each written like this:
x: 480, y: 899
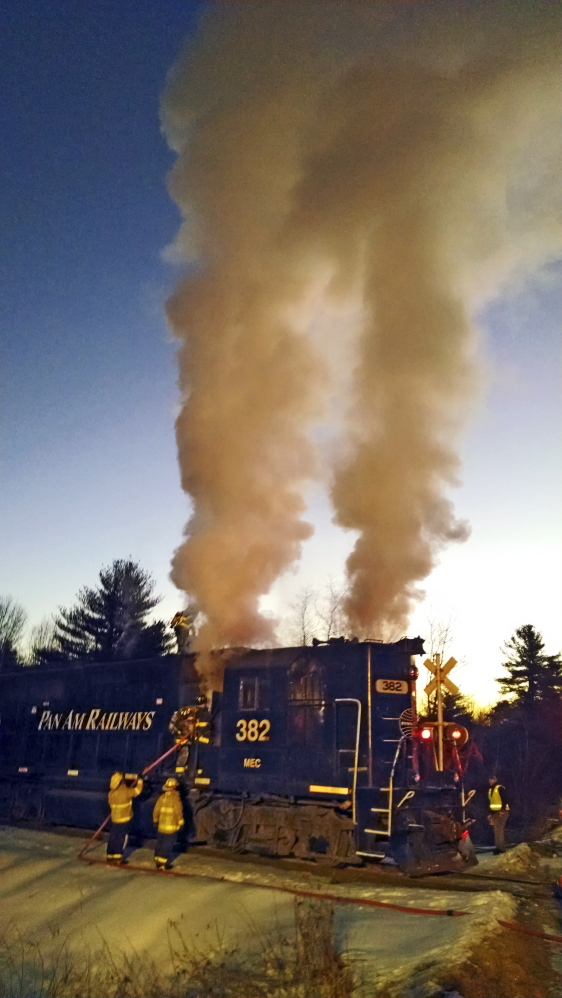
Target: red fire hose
x: 144, y: 772
x: 336, y: 898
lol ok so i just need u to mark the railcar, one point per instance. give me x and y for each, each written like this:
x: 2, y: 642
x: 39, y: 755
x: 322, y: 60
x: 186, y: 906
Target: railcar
x: 314, y: 752
x: 64, y: 729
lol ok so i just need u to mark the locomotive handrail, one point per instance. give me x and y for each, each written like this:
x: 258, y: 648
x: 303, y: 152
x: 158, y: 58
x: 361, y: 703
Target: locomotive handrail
x: 469, y: 796
x: 356, y: 763
x: 408, y: 796
x: 391, y: 782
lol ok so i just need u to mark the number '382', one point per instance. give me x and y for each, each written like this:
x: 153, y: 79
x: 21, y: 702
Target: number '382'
x: 253, y: 730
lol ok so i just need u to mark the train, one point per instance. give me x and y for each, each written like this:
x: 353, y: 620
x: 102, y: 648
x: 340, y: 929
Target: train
x: 313, y: 752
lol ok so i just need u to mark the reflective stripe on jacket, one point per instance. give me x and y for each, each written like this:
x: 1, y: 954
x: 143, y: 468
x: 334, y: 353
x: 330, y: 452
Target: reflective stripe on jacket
x: 495, y: 798
x: 168, y: 812
x: 121, y: 802
x: 202, y: 725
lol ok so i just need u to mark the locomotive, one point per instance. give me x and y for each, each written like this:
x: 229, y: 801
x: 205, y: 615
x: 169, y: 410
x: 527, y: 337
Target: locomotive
x: 312, y: 752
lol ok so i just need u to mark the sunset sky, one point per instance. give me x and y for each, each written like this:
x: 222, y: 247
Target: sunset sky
x: 88, y: 457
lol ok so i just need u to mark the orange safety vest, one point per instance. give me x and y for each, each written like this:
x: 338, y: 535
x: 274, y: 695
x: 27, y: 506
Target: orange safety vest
x: 121, y: 802
x: 168, y: 812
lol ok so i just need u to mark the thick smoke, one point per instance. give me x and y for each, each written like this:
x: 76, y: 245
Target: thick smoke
x: 401, y: 160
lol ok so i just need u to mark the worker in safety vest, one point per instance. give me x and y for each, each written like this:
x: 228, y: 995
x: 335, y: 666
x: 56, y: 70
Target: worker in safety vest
x: 498, y: 811
x: 122, y: 790
x: 168, y: 817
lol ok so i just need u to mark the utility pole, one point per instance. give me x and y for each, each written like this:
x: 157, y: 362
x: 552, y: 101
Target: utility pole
x: 440, y: 679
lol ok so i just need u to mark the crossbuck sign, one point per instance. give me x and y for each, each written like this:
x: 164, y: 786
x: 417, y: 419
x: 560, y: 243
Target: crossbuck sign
x: 440, y: 679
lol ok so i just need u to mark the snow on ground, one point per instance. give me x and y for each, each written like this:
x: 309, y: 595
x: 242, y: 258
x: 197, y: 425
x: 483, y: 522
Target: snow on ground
x: 540, y: 860
x: 47, y: 894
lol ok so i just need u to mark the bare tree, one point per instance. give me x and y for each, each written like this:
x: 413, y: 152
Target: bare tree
x: 329, y: 610
x: 302, y: 623
x: 13, y: 619
x: 42, y: 638
x: 439, y: 637
x: 321, y: 613
x: 438, y: 642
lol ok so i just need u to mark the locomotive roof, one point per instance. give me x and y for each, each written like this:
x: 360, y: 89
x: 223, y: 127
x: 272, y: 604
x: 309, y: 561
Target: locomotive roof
x: 267, y: 657
x: 235, y: 658
x: 44, y: 668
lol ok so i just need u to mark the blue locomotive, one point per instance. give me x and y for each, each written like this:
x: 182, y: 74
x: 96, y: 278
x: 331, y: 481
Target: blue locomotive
x: 314, y: 752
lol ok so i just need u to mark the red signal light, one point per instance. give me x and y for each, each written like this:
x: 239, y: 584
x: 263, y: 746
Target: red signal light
x: 425, y: 733
x: 465, y: 834
x: 456, y: 734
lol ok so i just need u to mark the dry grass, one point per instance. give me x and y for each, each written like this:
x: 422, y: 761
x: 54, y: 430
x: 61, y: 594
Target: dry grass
x: 303, y: 963
x: 508, y: 965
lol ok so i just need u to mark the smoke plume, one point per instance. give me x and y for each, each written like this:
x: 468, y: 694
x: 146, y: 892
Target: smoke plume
x: 395, y: 159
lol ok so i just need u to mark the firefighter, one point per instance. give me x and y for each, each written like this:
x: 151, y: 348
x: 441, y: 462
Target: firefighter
x: 190, y: 725
x: 184, y: 627
x: 498, y: 811
x: 182, y: 726
x: 202, y: 720
x: 122, y: 790
x: 168, y: 817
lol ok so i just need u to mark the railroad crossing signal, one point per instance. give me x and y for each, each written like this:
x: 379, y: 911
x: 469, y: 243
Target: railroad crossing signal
x: 440, y: 680
x: 440, y: 673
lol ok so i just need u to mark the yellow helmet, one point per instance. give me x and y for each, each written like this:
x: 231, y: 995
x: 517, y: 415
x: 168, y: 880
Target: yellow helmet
x: 171, y: 783
x: 115, y: 780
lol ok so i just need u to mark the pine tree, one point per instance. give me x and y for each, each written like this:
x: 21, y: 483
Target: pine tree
x: 108, y: 622
x: 533, y: 676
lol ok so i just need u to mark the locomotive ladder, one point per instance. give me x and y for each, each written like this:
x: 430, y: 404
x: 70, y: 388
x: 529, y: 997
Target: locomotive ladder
x: 387, y: 810
x: 380, y: 831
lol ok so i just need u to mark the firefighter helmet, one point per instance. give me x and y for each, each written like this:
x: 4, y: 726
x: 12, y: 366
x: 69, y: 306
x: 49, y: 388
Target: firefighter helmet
x: 171, y: 783
x: 201, y: 701
x: 115, y: 781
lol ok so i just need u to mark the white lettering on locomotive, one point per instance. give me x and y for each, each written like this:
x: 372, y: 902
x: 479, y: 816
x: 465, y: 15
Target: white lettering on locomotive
x: 96, y: 720
x: 91, y: 722
x: 67, y: 723
x: 45, y: 720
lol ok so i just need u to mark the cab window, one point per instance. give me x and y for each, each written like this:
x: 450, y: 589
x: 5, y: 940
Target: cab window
x: 307, y: 702
x: 252, y: 693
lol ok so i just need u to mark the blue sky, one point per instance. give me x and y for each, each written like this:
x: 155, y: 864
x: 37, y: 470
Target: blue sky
x: 88, y: 385
x: 87, y: 459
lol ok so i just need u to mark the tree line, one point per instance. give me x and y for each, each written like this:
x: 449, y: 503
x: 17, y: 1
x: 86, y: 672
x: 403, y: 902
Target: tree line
x: 107, y: 622
x: 519, y: 739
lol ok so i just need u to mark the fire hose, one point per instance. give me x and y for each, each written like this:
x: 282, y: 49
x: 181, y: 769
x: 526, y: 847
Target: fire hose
x: 146, y: 770
x: 338, y: 899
